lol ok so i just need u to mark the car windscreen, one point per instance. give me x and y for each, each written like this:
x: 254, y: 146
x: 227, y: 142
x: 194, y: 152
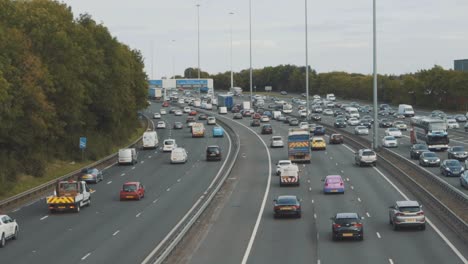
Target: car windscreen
x: 410, y: 209
x: 458, y: 148
x: 389, y: 138
x: 420, y: 147
x: 129, y: 188
x: 452, y: 163
x: 286, y: 201
x: 284, y: 163
x: 333, y: 180
x: 213, y: 149
x: 170, y: 142
x: 368, y: 153
x: 429, y: 155
x: 342, y: 221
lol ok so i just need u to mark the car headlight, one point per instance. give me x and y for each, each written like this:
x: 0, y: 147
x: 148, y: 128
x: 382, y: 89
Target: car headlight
x: 425, y: 160
x: 437, y: 160
x: 448, y: 169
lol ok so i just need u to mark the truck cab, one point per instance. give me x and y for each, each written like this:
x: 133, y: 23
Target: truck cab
x: 69, y: 195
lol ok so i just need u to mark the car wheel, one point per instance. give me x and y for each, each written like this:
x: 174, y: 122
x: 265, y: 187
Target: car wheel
x: 423, y: 227
x: 395, y: 227
x: 15, y: 236
x: 78, y: 208
x: 299, y: 215
x: 89, y: 202
x: 334, y: 238
x: 361, y: 238
x: 2, y: 241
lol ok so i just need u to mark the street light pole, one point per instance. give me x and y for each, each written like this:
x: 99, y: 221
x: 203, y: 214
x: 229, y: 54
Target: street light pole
x: 376, y: 131
x: 198, y: 22
x: 307, y: 60
x: 250, y: 46
x: 173, y: 59
x: 232, y: 74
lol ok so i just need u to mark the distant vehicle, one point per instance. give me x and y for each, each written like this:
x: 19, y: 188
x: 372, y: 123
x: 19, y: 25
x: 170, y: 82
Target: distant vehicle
x: 287, y: 108
x: 406, y: 110
x: 211, y: 120
x: 331, y: 97
x: 333, y: 184
x: 213, y: 152
x: 298, y: 145
x: 267, y: 129
x: 316, y: 117
x: 202, y: 117
x: 193, y: 113
x: 179, y: 155
x: 150, y: 139
x: 464, y: 179
x: 161, y: 124
x: 340, y: 123
x: 187, y: 109
x: 318, y: 143
x: 361, y: 130
x: 165, y: 104
x: 9, y: 229
x: 400, y: 125
x: 466, y: 127
x: 178, y: 125
x: 287, y: 205
x: 276, y: 142
x: 365, y: 157
x: 163, y: 111
x: 91, y: 175
x: 452, y: 124
x: 281, y: 164
x: 304, y: 125
x: 393, y: 131
x: 178, y: 112
x: 132, y: 191
x: 218, y: 131
x: 198, y: 130
x: 460, y: 118
x: 417, y: 149
x: 451, y: 167
x: 458, y: 153
x: 169, y: 145
x: 222, y: 110
x: 289, y: 175
x: 328, y: 112
x: 389, y: 142
x: 336, y: 139
x: 127, y: 156
x: 429, y: 158
x: 276, y: 114
x: 351, y: 112
x: 385, y: 123
x: 431, y: 131
x: 225, y: 100
x: 237, y: 116
x: 283, y: 93
x: 255, y: 123
x: 353, y: 121
x: 264, y: 118
x: 347, y: 225
x: 157, y: 116
x: 293, y: 122
x: 407, y: 214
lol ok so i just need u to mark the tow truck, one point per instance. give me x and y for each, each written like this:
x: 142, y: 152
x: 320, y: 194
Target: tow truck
x: 69, y: 195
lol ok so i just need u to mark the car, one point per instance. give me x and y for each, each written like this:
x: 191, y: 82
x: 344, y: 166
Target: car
x: 317, y: 109
x: 460, y: 118
x: 189, y: 119
x: 276, y: 142
x: 213, y: 152
x: 400, y: 125
x: 161, y: 124
x: 340, y: 123
x: 365, y: 157
x: 302, y: 113
x: 163, y: 111
x: 389, y: 142
x: 318, y: 143
x: 255, y: 123
x: 304, y: 125
x: 132, y: 191
x: 393, y: 131
x: 91, y: 175
x: 319, y: 130
x: 187, y: 109
x: 287, y: 205
x: 367, y: 118
x: 451, y: 167
x: 179, y: 155
x: 237, y: 116
x: 361, y: 130
x: 337, y: 113
x: 464, y: 179
x: 347, y: 225
x: 157, y: 116
x: 256, y: 116
x: 267, y: 129
x: 283, y: 93
x: 211, y: 120
x: 452, y: 124
x: 333, y: 184
x: 9, y: 229
x: 328, y: 112
x: 438, y: 114
x: 417, y: 149
x: 286, y: 119
x: 293, y: 122
x: 353, y: 121
x: 169, y: 144
x: 336, y: 139
x: 246, y: 113
x: 193, y: 113
x: 202, y: 117
x: 385, y: 123
x: 316, y: 117
x: 407, y: 214
x: 365, y: 123
x: 282, y: 164
x: 165, y: 104
x: 399, y: 116
x: 457, y: 152
x: 218, y: 131
x: 264, y: 118
x: 178, y: 112
x: 178, y: 125
x: 429, y: 158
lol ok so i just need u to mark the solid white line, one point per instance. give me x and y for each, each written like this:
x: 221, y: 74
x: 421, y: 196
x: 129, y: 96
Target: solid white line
x: 86, y: 256
x: 352, y: 187
x: 116, y: 232
x: 16, y: 210
x: 155, y: 201
x: 310, y: 189
x: 178, y: 180
x: 390, y: 260
x: 109, y: 182
x: 359, y: 199
x: 123, y: 174
x: 138, y: 215
x: 346, y: 146
x: 336, y: 164
x: 133, y: 168
x: 378, y: 235
x: 44, y: 217
x: 149, y: 157
x: 109, y: 166
x: 315, y: 216
x: 367, y: 213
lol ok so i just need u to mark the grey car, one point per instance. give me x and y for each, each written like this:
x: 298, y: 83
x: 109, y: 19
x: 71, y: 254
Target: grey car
x: 429, y: 158
x: 407, y: 214
x: 457, y: 152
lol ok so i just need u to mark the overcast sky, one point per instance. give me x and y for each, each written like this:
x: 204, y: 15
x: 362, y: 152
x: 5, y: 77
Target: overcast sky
x: 411, y: 34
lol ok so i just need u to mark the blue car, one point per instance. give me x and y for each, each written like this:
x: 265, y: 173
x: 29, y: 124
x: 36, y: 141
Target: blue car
x: 319, y: 130
x: 267, y: 113
x: 218, y: 131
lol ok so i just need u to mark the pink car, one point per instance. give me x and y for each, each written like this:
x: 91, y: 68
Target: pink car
x: 333, y: 184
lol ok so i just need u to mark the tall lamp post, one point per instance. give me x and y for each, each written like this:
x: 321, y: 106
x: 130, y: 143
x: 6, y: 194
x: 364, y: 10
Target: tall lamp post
x: 307, y: 60
x: 376, y: 131
x: 232, y: 74
x: 173, y: 59
x: 198, y: 22
x: 250, y: 46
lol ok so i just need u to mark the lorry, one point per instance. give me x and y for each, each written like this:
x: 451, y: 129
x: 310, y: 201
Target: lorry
x: 155, y: 93
x: 236, y: 90
x: 226, y: 101
x: 331, y: 97
x: 298, y: 145
x: 69, y: 195
x: 246, y: 105
x: 198, y: 130
x: 406, y: 110
x: 289, y: 175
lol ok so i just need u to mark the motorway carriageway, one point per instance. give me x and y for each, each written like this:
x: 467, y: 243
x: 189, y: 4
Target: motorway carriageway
x: 243, y: 230
x: 111, y: 231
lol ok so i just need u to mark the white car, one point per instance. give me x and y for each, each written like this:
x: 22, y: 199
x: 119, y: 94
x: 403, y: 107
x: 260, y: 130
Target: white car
x: 400, y: 125
x: 157, y: 116
x: 353, y: 121
x: 452, y: 123
x: 169, y: 145
x: 8, y: 229
x: 282, y: 164
x: 209, y: 107
x: 178, y: 113
x: 161, y: 124
x: 328, y: 112
x: 187, y: 109
x: 304, y: 125
x: 211, y: 120
x: 163, y: 111
x: 276, y: 142
x: 331, y: 105
x: 389, y: 142
x: 181, y: 101
x: 393, y: 131
x: 264, y: 118
x: 179, y: 155
x: 361, y: 130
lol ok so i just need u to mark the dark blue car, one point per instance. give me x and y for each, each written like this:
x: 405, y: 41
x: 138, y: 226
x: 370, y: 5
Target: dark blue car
x: 451, y: 167
x: 319, y: 130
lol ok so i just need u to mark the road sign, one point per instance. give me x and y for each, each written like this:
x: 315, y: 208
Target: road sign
x: 82, y: 142
x: 267, y: 88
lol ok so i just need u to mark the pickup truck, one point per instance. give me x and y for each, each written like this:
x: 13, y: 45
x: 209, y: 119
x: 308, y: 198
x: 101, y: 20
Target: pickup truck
x: 69, y: 195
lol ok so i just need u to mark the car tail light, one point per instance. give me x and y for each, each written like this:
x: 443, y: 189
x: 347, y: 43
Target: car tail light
x: 420, y: 213
x: 399, y: 214
x: 326, y: 184
x: 341, y: 184
x: 336, y: 226
x: 277, y: 207
x: 358, y: 225
x: 297, y: 207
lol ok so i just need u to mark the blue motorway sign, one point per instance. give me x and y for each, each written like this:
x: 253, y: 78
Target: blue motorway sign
x: 82, y: 142
x: 192, y: 82
x: 155, y: 83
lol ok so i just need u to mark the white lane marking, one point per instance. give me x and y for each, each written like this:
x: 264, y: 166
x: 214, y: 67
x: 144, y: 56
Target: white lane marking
x: 378, y: 235
x: 142, y: 161
x: 155, y: 201
x: 156, y: 151
x: 352, y: 187
x: 86, y: 256
x: 116, y: 232
x: 390, y: 261
x: 168, y: 189
x: 346, y: 146
x: 149, y: 157
x: 367, y: 213
x: 133, y: 168
x: 342, y: 171
x: 359, y: 199
x: 454, y: 249
x: 331, y: 158
x: 318, y: 261
x: 123, y: 174
x: 310, y: 189
x: 312, y: 201
x: 109, y: 166
x: 347, y: 179
x: 178, y: 180
x: 315, y: 216
x: 16, y: 210
x: 138, y: 215
x: 109, y: 182
x: 44, y: 217
x: 336, y: 164
x: 308, y: 181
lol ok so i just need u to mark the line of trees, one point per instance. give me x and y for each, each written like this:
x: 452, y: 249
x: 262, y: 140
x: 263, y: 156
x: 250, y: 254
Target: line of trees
x: 435, y: 88
x: 62, y: 78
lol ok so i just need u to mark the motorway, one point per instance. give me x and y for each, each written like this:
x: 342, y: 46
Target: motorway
x: 243, y: 230
x: 111, y: 231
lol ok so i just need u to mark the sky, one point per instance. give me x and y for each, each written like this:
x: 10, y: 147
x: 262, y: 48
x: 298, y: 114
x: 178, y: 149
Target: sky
x: 411, y: 34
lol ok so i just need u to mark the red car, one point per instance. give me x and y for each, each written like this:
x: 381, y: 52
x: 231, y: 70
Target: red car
x: 192, y: 113
x: 256, y: 116
x: 132, y: 191
x: 165, y: 104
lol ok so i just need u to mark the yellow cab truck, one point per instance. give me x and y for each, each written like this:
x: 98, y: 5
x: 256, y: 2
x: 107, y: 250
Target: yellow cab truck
x: 69, y: 195
x: 198, y: 130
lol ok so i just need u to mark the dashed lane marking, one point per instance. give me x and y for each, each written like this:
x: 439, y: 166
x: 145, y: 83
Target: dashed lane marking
x: 168, y: 189
x: 378, y: 235
x: 44, y: 217
x: 86, y: 256
x: 123, y: 174
x: 138, y: 215
x: 109, y: 182
x: 116, y: 232
x: 367, y: 213
x: 359, y: 199
x: 133, y: 168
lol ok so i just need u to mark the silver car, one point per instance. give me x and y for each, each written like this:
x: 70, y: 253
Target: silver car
x: 276, y: 142
x: 361, y: 130
x: 407, y: 213
x: 365, y: 157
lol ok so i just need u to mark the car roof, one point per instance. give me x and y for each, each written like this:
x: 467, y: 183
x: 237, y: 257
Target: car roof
x: 333, y: 176
x: 407, y: 203
x: 287, y: 197
x: 131, y: 183
x: 347, y: 215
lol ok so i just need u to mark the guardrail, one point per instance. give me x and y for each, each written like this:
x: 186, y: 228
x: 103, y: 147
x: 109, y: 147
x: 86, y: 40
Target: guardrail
x: 46, y: 188
x: 164, y: 249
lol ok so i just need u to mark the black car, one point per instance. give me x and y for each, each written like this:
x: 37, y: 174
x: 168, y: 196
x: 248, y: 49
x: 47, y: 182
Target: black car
x: 460, y: 118
x: 365, y: 123
x: 178, y: 125
x: 451, y: 167
x: 202, y: 117
x: 255, y: 123
x: 235, y: 109
x: 267, y: 129
x: 417, y: 149
x: 287, y: 205
x: 337, y: 113
x: 293, y: 122
x: 237, y: 116
x: 316, y: 117
x: 340, y: 123
x: 286, y: 120
x: 368, y: 118
x: 429, y: 158
x: 347, y: 225
x: 172, y: 110
x: 383, y: 106
x: 385, y: 123
x: 319, y: 130
x: 213, y: 152
x: 458, y: 153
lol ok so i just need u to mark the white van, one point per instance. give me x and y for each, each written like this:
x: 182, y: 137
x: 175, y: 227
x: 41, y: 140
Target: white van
x: 331, y: 97
x: 127, y: 156
x: 276, y: 114
x: 150, y: 139
x: 222, y: 110
x: 179, y: 155
x: 351, y: 112
x: 406, y: 110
